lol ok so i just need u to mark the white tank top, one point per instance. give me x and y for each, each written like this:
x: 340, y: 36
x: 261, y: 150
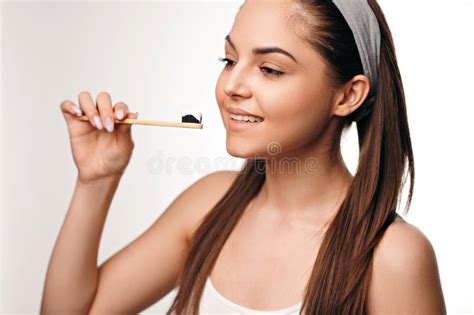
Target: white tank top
x: 212, y: 302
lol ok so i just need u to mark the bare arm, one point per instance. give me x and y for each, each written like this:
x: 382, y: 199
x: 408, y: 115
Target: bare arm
x: 142, y: 272
x: 148, y: 268
x: 71, y: 278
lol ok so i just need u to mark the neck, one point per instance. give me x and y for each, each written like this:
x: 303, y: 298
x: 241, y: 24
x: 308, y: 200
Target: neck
x: 309, y: 185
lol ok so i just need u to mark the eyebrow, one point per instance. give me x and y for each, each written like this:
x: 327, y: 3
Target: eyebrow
x: 264, y: 50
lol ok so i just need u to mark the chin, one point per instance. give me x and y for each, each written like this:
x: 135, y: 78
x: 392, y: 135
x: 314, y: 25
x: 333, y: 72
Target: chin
x: 238, y: 150
x: 241, y: 148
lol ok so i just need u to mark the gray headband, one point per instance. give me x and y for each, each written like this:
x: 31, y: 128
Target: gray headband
x: 365, y: 28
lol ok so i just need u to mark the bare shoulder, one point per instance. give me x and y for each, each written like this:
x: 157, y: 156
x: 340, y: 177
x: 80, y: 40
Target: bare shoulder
x: 204, y: 195
x: 405, y: 277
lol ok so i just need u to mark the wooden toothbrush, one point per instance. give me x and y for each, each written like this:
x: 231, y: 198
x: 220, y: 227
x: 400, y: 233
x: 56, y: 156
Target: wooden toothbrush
x: 187, y: 121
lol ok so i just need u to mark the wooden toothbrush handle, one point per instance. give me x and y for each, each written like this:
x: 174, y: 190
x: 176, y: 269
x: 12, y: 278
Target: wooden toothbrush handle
x: 132, y: 121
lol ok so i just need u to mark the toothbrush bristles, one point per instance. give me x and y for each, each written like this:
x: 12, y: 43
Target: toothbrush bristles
x: 188, y: 118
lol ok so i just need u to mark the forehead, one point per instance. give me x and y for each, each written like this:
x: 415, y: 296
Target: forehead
x: 265, y: 23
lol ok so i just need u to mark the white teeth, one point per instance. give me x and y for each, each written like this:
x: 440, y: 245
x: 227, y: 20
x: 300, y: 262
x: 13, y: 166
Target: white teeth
x: 245, y: 118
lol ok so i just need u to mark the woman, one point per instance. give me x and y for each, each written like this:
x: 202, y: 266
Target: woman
x: 292, y: 232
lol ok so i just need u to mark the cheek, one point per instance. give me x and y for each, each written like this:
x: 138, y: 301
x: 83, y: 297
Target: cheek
x: 291, y: 127
x: 294, y: 114
x: 292, y: 99
x: 280, y: 107
x: 220, y: 95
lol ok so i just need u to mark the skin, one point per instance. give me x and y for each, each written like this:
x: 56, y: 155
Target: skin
x: 300, y: 113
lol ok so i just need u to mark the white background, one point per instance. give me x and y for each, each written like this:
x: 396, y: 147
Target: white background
x: 161, y: 57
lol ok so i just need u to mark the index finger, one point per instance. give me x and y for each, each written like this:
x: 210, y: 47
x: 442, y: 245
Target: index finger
x: 86, y: 103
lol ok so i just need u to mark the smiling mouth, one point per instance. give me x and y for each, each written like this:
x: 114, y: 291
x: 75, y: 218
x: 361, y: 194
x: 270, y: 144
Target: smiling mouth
x: 246, y: 118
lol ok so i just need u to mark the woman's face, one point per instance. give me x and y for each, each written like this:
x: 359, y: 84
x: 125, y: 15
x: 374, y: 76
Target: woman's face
x: 294, y: 105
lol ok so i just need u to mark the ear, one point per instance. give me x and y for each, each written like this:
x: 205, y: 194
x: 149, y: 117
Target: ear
x: 351, y: 95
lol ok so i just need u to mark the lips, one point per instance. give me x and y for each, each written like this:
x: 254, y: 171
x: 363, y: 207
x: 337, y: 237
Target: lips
x: 238, y: 111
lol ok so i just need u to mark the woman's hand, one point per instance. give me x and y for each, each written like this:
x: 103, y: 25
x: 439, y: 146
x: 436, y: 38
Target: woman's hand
x: 101, y: 149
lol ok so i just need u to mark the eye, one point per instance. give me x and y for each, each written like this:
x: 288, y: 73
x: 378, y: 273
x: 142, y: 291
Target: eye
x: 271, y: 71
x: 266, y: 70
x: 228, y: 61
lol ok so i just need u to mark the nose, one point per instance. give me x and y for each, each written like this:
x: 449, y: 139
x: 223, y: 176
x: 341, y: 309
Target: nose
x: 236, y: 84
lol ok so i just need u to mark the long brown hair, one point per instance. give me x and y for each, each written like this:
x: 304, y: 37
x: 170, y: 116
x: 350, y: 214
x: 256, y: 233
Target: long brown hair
x: 340, y: 276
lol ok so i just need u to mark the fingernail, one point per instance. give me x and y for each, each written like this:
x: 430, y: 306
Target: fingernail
x: 98, y: 124
x: 77, y: 110
x: 120, y: 114
x: 109, y: 124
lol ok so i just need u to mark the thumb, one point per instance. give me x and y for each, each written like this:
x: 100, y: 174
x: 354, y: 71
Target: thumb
x: 126, y: 128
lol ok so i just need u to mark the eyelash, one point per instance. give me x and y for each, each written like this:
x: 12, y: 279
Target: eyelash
x: 271, y: 72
